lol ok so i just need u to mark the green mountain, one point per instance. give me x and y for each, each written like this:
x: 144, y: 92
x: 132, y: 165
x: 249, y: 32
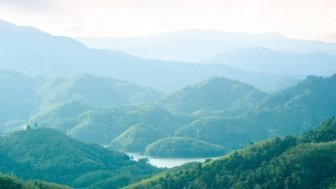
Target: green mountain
x: 290, y: 111
x: 102, y: 125
x: 228, y: 133
x: 215, y: 94
x: 100, y: 91
x: 12, y: 182
x: 52, y: 156
x: 301, y: 107
x: 182, y: 148
x: 136, y: 138
x: 307, y: 161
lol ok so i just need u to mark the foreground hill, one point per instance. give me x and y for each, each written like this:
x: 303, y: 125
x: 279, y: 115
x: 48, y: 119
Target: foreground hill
x: 11, y: 182
x: 307, y: 161
x: 50, y: 155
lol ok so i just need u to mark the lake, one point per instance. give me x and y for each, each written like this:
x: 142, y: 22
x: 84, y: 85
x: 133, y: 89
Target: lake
x: 166, y: 162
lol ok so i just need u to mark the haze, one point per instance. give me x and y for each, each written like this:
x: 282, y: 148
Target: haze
x: 124, y: 18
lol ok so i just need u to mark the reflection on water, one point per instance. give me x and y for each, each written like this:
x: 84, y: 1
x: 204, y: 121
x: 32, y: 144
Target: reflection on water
x: 166, y: 162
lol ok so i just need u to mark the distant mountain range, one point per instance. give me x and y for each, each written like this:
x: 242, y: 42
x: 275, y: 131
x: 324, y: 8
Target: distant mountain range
x: 31, y: 51
x: 201, y: 45
x: 264, y: 60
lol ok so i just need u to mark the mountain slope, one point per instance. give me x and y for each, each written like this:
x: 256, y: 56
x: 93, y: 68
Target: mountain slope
x: 136, y: 138
x: 215, y: 94
x: 50, y: 155
x: 181, y: 147
x: 290, y: 111
x: 309, y: 102
x: 275, y: 163
x: 101, y: 92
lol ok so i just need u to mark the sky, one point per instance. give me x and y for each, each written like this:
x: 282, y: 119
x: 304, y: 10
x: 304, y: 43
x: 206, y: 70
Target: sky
x: 303, y: 19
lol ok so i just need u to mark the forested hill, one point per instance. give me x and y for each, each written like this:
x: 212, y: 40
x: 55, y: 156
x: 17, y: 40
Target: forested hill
x: 214, y: 94
x: 12, y: 182
x: 307, y: 162
x: 50, y: 155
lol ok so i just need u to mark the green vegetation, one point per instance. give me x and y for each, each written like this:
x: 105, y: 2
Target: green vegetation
x: 136, y: 138
x: 12, y: 182
x: 183, y: 147
x: 215, y: 94
x: 50, y: 155
x: 231, y: 134
x: 216, y: 111
x: 291, y: 162
x: 100, y: 92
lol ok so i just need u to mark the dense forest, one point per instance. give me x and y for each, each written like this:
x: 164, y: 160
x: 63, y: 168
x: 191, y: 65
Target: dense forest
x: 306, y: 161
x: 12, y: 182
x: 218, y: 112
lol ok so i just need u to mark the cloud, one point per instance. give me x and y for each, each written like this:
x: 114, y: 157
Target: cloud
x: 300, y: 19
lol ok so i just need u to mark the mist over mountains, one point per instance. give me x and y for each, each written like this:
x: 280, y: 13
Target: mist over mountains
x: 31, y: 51
x: 201, y: 45
x: 71, y: 112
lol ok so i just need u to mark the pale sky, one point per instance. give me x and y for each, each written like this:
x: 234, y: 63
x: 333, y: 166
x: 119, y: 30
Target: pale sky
x: 305, y: 19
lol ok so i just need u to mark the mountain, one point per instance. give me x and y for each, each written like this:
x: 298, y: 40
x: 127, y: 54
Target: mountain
x: 302, y: 106
x: 181, y: 147
x: 258, y: 59
x: 229, y: 133
x: 100, y: 92
x: 136, y: 138
x: 291, y: 111
x: 200, y: 45
x: 31, y: 51
x: 23, y: 97
x: 307, y: 161
x: 214, y: 94
x: 52, y: 156
x: 84, y: 122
